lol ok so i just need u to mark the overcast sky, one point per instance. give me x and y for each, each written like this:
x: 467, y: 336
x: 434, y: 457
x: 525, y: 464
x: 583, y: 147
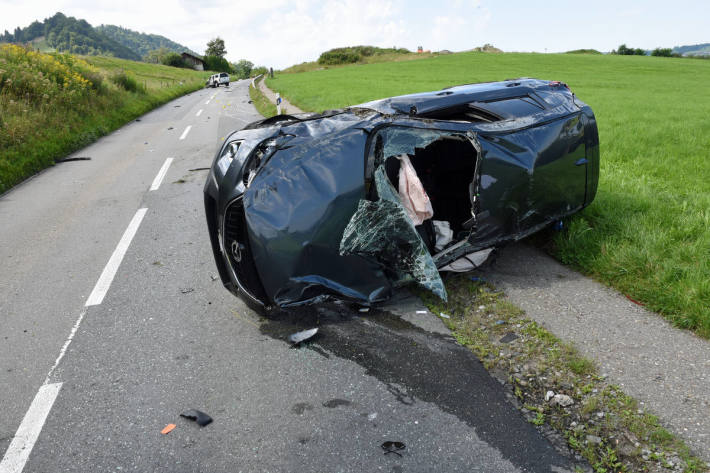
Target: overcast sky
x: 280, y: 33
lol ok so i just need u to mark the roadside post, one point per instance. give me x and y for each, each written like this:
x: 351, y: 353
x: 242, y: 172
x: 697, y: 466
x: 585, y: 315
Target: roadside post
x: 278, y: 103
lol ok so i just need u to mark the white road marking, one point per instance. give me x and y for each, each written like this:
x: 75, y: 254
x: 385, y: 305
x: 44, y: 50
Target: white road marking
x: 161, y: 175
x: 184, y: 133
x: 66, y: 345
x: 104, y: 282
x: 21, y: 446
x: 208, y: 102
x: 198, y: 113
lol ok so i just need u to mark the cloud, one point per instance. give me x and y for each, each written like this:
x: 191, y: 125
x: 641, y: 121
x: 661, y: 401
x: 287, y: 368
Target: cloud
x: 278, y: 33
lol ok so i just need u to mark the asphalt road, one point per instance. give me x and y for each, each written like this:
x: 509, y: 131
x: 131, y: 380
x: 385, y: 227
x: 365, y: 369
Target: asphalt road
x: 90, y: 373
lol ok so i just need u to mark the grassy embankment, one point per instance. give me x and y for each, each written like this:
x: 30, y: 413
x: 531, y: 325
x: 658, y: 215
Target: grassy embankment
x: 648, y: 231
x: 53, y: 104
x: 260, y: 102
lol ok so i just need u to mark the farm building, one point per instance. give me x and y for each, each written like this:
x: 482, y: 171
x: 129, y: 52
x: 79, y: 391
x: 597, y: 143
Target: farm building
x: 196, y: 63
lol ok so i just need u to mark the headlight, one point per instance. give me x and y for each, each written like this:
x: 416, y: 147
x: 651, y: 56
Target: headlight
x: 225, y: 160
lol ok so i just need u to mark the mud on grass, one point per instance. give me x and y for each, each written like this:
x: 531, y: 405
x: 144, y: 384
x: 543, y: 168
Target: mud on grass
x: 603, y: 425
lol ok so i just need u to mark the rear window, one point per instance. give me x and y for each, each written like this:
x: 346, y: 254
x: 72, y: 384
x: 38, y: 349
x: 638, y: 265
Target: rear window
x: 224, y: 74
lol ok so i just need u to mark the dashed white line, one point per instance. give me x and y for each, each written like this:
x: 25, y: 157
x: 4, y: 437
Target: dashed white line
x: 21, y: 446
x: 66, y: 345
x: 198, y: 113
x: 104, y: 282
x: 184, y: 133
x: 161, y: 175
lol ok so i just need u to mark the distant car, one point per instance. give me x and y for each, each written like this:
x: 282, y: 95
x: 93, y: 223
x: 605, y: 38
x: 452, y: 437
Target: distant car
x: 306, y: 207
x: 216, y: 80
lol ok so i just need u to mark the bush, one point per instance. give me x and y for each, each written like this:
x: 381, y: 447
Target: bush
x: 338, y: 57
x: 217, y: 64
x: 663, y: 52
x: 353, y: 54
x: 626, y: 51
x: 127, y: 82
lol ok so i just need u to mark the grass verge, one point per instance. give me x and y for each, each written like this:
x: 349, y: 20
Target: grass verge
x: 53, y: 104
x: 602, y: 424
x: 260, y: 102
x: 648, y: 232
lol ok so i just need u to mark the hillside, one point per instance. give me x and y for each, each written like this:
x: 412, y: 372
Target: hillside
x: 74, y: 103
x: 646, y: 233
x: 141, y: 43
x: 67, y: 34
x: 693, y: 50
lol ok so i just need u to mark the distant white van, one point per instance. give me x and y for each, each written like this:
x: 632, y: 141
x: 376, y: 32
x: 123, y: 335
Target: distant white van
x: 217, y: 79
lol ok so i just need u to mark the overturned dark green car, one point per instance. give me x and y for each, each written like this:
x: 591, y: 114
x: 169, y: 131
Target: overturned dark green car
x: 352, y: 203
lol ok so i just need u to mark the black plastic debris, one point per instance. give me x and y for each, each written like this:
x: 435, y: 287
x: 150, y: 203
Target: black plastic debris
x: 198, y: 169
x: 393, y: 447
x: 170, y: 128
x: 508, y: 337
x: 186, y: 290
x: 200, y: 417
x: 66, y: 160
x: 138, y: 119
x: 300, y: 337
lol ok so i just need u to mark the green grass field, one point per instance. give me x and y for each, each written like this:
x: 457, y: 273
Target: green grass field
x: 648, y: 231
x: 51, y: 105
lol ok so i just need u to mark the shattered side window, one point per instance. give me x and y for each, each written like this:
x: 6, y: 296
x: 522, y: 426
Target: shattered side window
x: 394, y: 140
x: 382, y: 231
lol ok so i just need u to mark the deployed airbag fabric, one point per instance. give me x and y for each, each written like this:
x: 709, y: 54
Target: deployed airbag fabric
x: 411, y: 191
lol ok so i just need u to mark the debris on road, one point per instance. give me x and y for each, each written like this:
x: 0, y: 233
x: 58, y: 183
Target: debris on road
x: 634, y: 300
x: 200, y: 417
x: 186, y: 290
x: 198, y: 169
x: 213, y: 277
x: 393, y: 447
x: 300, y: 337
x: 167, y: 429
x: 67, y: 160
